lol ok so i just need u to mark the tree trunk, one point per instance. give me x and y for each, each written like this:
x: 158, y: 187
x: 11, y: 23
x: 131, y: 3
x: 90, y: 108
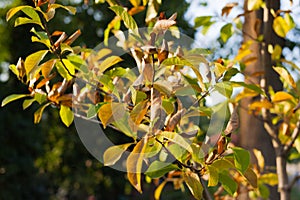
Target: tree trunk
x: 252, y: 132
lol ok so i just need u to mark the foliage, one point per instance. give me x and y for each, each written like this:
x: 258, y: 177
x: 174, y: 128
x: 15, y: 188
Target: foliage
x: 165, y: 142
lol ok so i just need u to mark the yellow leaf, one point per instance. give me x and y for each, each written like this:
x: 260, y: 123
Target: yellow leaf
x: 213, y: 176
x: 134, y: 164
x: 260, y: 104
x: 159, y: 189
x: 260, y: 159
x: 286, y: 76
x: 193, y: 182
x: 270, y: 179
x: 114, y: 153
x: 108, y: 62
x: 108, y: 113
x: 281, y: 96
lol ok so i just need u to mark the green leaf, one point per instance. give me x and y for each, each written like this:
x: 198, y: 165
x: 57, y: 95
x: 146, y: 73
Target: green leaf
x: 66, y: 115
x: 137, y: 96
x: 230, y: 73
x: 152, y: 148
x: 108, y: 62
x: 30, y: 12
x: 253, y: 87
x: 226, y: 32
x: 264, y: 191
x: 222, y: 164
x: 93, y: 110
x: 128, y: 19
x: 157, y: 169
x: 241, y: 158
x: 168, y: 106
x: 40, y: 97
x: 134, y: 165
x: 38, y: 114
x: 27, y: 103
x: 213, y: 176
x: 286, y: 76
x: 205, y: 22
x: 228, y: 184
x: 297, y: 144
x: 32, y: 61
x: 177, y: 139
x: 224, y: 88
x: 13, y: 97
x: 114, y: 153
x: 193, y: 182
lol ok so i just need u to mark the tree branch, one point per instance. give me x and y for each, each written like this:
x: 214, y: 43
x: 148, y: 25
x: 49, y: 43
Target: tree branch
x: 292, y: 183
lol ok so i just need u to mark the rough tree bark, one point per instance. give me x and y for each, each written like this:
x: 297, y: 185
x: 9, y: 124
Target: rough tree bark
x: 252, y: 131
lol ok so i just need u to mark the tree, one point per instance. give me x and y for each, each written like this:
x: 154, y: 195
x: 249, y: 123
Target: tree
x: 157, y: 108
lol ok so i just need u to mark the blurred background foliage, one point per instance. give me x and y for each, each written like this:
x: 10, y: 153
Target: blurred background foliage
x: 48, y: 161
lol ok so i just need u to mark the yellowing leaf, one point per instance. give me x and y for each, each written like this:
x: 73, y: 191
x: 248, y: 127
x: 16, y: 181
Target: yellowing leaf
x: 13, y: 97
x: 281, y: 96
x: 177, y: 139
x: 159, y: 189
x: 108, y: 62
x: 106, y: 112
x: 260, y: 159
x: 13, y: 11
x: 66, y: 115
x: 135, y: 3
x: 254, y: 4
x: 285, y: 76
x: 226, y: 32
x: 282, y: 25
x: 139, y: 111
x: 260, y: 104
x: 193, y: 182
x: 32, y: 61
x: 114, y: 153
x: 270, y: 179
x: 134, y: 164
x: 213, y: 176
x: 38, y: 114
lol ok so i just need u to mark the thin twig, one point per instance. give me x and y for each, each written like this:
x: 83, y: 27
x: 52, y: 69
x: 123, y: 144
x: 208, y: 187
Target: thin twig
x: 292, y: 183
x: 294, y: 136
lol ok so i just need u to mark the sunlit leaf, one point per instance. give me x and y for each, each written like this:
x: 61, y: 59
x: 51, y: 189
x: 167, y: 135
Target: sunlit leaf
x: 94, y: 109
x: 13, y: 97
x: 226, y: 32
x: 139, y: 111
x: 157, y: 169
x: 177, y: 139
x: 128, y: 19
x: 260, y: 159
x: 32, y: 61
x: 158, y: 190
x: 135, y: 3
x: 163, y: 25
x: 230, y: 73
x: 213, y: 176
x: 254, y: 4
x: 107, y: 112
x: 134, y: 165
x: 192, y: 180
x: 224, y: 88
x: 297, y: 144
x: 227, y: 9
x: 40, y: 97
x: 282, y: 25
x: 25, y: 20
x: 281, y: 96
x: 152, y: 10
x: 269, y: 178
x: 66, y: 115
x: 66, y: 69
x: 241, y: 158
x: 222, y: 164
x: 27, y: 103
x: 38, y: 114
x: 114, y: 153
x: 70, y: 9
x: 286, y: 76
x: 13, y: 11
x: 108, y: 62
